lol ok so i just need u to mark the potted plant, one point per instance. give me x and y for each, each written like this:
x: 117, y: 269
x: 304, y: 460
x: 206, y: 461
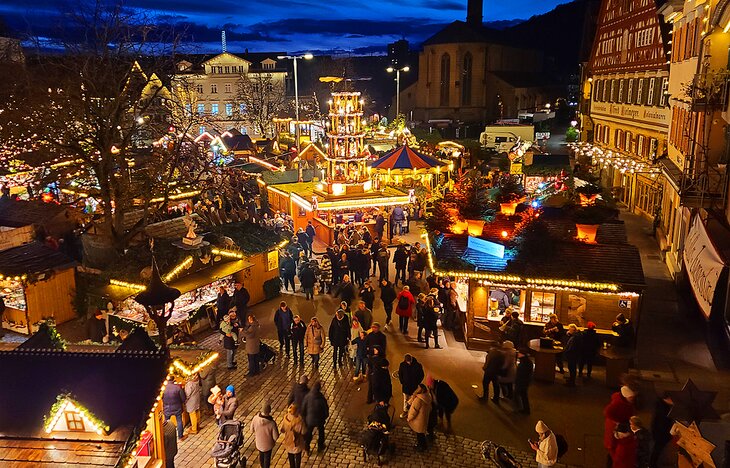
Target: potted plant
x: 509, y: 194
x: 589, y: 218
x: 587, y: 194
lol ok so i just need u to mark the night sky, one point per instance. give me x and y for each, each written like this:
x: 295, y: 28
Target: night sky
x: 287, y: 25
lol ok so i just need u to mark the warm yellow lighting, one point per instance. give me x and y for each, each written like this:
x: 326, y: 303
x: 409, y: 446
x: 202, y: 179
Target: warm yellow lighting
x: 727, y: 27
x: 504, y: 234
x: 187, y: 371
x: 125, y: 284
x: 184, y: 265
x: 176, y: 196
x: 227, y: 253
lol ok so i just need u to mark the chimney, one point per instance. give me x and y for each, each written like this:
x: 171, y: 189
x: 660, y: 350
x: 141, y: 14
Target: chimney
x: 224, y: 47
x: 474, y: 11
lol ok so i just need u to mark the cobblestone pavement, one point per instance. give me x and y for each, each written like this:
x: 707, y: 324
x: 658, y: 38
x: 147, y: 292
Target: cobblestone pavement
x: 342, y: 431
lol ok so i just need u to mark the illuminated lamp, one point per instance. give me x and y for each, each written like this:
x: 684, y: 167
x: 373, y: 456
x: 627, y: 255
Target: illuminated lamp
x: 505, y: 234
x: 475, y: 227
x: 508, y: 209
x: 587, y: 200
x: 47, y: 197
x: 587, y: 232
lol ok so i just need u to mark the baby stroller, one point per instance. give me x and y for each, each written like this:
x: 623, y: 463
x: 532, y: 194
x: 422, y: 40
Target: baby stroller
x: 375, y: 439
x: 266, y: 355
x: 227, y: 449
x: 498, y: 455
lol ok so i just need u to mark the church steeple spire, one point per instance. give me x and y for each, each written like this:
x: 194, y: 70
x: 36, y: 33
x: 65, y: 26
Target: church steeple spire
x: 474, y: 11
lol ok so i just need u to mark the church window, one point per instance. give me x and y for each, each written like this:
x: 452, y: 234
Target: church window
x: 445, y: 79
x: 466, y: 82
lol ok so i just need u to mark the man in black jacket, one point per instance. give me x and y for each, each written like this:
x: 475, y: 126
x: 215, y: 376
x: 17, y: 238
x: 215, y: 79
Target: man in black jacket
x: 339, y: 335
x: 591, y: 343
x: 523, y: 378
x: 382, y: 384
x: 298, y: 329
x: 346, y: 290
x: 444, y: 399
x: 400, y: 258
x: 298, y: 392
x: 493, y: 365
x: 315, y: 412
x: 387, y: 295
x: 240, y: 299
x: 283, y: 318
x: 410, y: 374
x: 367, y: 295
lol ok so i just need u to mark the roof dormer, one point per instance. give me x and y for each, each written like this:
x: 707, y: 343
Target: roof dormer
x: 69, y: 416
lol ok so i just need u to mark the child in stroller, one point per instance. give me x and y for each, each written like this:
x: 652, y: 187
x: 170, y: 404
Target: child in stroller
x: 227, y: 449
x: 375, y: 438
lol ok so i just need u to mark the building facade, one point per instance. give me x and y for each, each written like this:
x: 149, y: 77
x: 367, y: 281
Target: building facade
x: 627, y: 83
x: 210, y: 85
x: 694, y: 169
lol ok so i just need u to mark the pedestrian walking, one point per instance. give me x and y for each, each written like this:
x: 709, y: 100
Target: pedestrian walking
x: 346, y: 290
x: 173, y: 402
x: 367, y: 295
x: 523, y: 379
x: 294, y: 431
x: 493, y: 365
x: 311, y: 234
x: 315, y: 412
x: 376, y: 338
x: 404, y: 309
x: 410, y: 374
x: 619, y: 410
x: 325, y: 275
x: 643, y: 442
x: 265, y: 433
x: 509, y: 369
x: 307, y: 278
x: 207, y: 382
x: 545, y: 447
x: 192, y: 401
x: 288, y: 272
x: 359, y: 344
x: 444, y: 399
x: 283, y: 318
x: 241, y: 298
x: 364, y: 315
x: 572, y: 351
x: 376, y: 356
x: 355, y: 329
x: 418, y: 312
x: 314, y: 341
x: 387, y: 295
x: 339, y: 336
x: 382, y: 258
x: 430, y: 322
x: 299, y: 391
x: 590, y: 344
x: 253, y: 344
x: 298, y: 330
x: 419, y: 410
x: 230, y: 404
x: 400, y: 259
x: 624, y: 448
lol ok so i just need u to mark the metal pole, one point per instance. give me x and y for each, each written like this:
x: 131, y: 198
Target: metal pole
x: 397, y: 93
x: 296, y: 104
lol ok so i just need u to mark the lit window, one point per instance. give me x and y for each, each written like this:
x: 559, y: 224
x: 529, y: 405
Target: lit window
x: 201, y: 108
x: 650, y: 94
x: 541, y: 306
x: 229, y: 109
x: 202, y: 129
x: 630, y: 92
x: 242, y: 108
x: 664, y: 92
x: 214, y: 108
x: 640, y: 91
x: 74, y: 421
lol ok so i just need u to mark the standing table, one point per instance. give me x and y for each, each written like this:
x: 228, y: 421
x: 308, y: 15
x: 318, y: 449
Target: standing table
x: 544, y: 361
x: 618, y: 361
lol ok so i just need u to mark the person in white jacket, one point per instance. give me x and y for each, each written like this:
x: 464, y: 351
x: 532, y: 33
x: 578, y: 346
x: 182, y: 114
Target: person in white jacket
x: 546, y: 447
x: 266, y: 432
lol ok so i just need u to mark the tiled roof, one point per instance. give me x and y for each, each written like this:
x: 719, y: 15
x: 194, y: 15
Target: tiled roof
x: 32, y: 258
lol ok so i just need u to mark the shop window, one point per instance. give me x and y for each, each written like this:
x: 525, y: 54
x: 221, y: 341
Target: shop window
x: 500, y: 299
x: 541, y: 306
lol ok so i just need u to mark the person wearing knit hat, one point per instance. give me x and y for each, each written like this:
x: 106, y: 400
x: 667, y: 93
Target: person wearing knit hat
x: 230, y: 403
x: 627, y: 393
x: 590, y: 345
x: 546, y: 446
x: 265, y: 432
x: 619, y: 410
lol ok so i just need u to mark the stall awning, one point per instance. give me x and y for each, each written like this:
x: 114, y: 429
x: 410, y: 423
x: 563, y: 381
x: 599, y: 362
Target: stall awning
x: 704, y: 265
x: 406, y: 158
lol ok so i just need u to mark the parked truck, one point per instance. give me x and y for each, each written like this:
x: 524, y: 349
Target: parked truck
x: 501, y: 138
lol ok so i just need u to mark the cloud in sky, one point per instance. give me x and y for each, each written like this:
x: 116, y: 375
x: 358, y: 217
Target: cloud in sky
x: 283, y: 24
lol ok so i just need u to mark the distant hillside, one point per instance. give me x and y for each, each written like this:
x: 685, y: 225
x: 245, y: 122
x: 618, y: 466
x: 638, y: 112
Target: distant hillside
x: 503, y: 24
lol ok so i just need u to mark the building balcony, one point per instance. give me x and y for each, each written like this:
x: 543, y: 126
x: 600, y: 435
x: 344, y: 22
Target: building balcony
x: 698, y: 185
x: 708, y: 92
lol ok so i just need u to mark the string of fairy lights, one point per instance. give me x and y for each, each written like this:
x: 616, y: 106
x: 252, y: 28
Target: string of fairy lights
x: 610, y: 158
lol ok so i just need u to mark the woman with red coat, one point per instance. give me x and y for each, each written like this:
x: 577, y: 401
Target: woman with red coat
x: 624, y: 447
x: 618, y: 411
x: 404, y: 309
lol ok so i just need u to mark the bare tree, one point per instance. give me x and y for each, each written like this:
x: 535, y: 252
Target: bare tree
x: 262, y: 99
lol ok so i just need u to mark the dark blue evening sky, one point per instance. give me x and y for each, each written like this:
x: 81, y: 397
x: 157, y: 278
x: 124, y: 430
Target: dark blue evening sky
x: 288, y: 25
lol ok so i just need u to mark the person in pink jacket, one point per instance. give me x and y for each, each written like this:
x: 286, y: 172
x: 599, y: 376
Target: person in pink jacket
x: 405, y: 302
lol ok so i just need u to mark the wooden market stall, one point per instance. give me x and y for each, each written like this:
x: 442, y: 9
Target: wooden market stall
x: 37, y: 283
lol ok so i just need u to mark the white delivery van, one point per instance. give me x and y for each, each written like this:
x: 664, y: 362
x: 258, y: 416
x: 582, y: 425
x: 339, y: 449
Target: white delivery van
x: 502, y: 138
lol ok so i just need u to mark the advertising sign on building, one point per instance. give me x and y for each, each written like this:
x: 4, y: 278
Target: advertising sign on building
x: 704, y: 265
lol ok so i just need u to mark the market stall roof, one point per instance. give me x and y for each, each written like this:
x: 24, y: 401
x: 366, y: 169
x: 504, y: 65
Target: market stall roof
x: 286, y: 177
x: 17, y: 213
x: 311, y: 153
x: 32, y: 258
x: 406, y: 158
x: 547, y: 164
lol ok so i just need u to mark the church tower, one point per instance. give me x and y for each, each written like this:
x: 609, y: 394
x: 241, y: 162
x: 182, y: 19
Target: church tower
x: 474, y: 12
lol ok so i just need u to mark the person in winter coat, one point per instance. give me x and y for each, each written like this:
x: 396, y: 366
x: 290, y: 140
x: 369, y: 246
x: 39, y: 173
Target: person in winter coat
x: 240, y: 298
x: 509, y: 369
x: 376, y: 356
x: 253, y: 344
x: 444, y: 399
x: 339, y: 336
x: 625, y: 331
x: 315, y: 412
x: 410, y: 374
x: 643, y: 442
x: 230, y: 404
x: 325, y: 275
x: 192, y: 401
x: 404, y: 309
x: 222, y: 304
x: 590, y: 344
x: 546, y: 446
x: 229, y: 341
x: 513, y: 328
x: 375, y: 338
x: 493, y: 365
x: 207, y: 382
x: 400, y: 259
x: 283, y: 318
x: 379, y: 225
x: 304, y: 241
x: 381, y: 381
x: 307, y: 279
x: 418, y: 414
x: 288, y: 271
x: 298, y: 392
x: 387, y: 295
x: 555, y: 330
x: 294, y: 431
x: 311, y: 234
x: 523, y: 379
x: 344, y: 267
x: 297, y: 331
x: 661, y: 426
x: 265, y: 433
x: 624, y: 448
x: 355, y: 329
x: 314, y: 341
x: 382, y: 257
x: 364, y: 315
x: 429, y: 319
x: 346, y: 290
x: 173, y: 402
x: 571, y: 352
x: 170, y: 442
x: 418, y: 311
x: 361, y: 356
x: 619, y: 410
x: 367, y: 295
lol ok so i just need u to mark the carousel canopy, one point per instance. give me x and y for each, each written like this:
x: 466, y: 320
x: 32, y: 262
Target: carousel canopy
x: 406, y: 158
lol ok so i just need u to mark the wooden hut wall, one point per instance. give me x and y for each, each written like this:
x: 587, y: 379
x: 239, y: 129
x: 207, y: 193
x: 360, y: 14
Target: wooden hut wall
x: 53, y: 297
x: 278, y: 202
x: 255, y: 277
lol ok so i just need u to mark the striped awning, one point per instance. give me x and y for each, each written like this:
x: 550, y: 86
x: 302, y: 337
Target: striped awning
x: 406, y: 158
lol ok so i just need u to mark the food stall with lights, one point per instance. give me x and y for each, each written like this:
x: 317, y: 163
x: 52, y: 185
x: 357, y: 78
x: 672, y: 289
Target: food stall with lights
x: 499, y: 272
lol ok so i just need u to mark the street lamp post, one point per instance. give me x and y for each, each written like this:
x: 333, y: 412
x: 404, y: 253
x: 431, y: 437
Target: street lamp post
x: 397, y: 86
x: 296, y: 91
